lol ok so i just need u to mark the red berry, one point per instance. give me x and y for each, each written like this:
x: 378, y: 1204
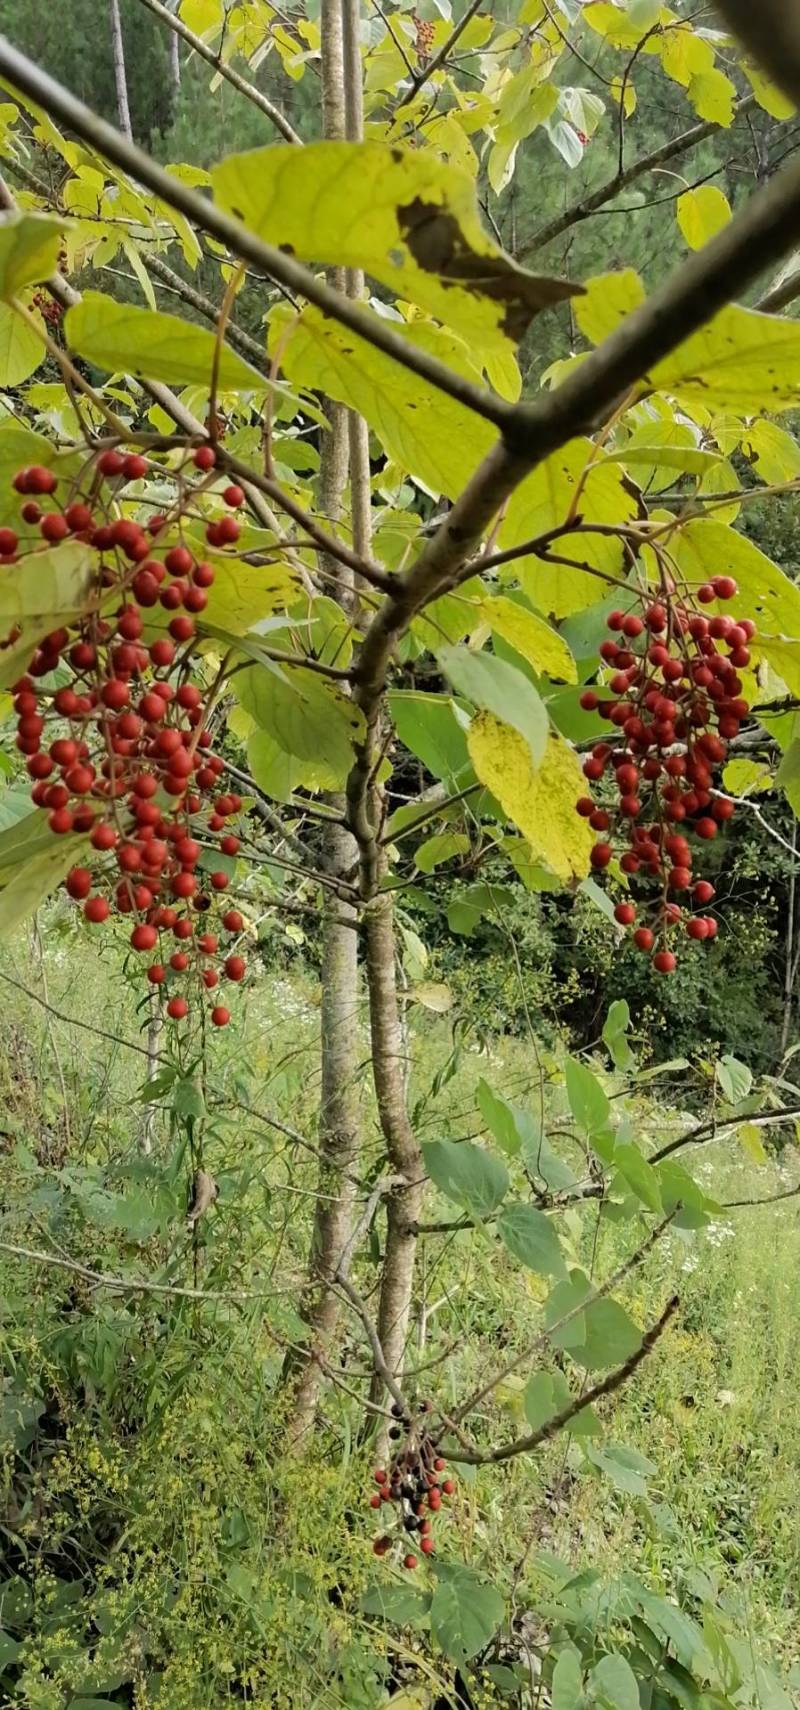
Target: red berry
x: 705, y: 828
x: 409, y: 1561
x: 177, y: 1008
x: 235, y: 967
x: 232, y: 920
x: 233, y: 496
x: 204, y: 457
x: 706, y: 594
x: 9, y: 541
x: 664, y: 962
x: 219, y: 881
x: 78, y: 518
x: 220, y: 1017
x: 179, y: 961
x: 179, y: 561
x: 144, y: 937
x: 115, y: 694
x: 724, y: 587
x: 632, y: 625
x: 103, y: 836
x: 625, y: 913
x: 40, y: 480
x: 227, y: 531
x: 79, y: 883
x: 374, y: 1500
x: 157, y: 974
x: 696, y: 928
x: 181, y: 628
x: 31, y: 512
x: 96, y: 910
x: 134, y: 467
x: 229, y: 844
x: 60, y: 821
x: 203, y: 575
x: 601, y: 854
x: 53, y: 526
x: 111, y: 463
x: 643, y: 938
x: 210, y: 978
x: 703, y: 892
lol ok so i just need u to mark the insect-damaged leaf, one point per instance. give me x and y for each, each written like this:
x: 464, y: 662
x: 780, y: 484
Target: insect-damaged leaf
x: 402, y: 215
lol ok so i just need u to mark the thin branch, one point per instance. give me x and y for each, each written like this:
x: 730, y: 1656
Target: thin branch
x: 772, y: 1199
x: 620, y: 181
x: 542, y: 1340
x: 421, y: 77
x: 378, y: 1359
x: 708, y: 1131
x: 72, y: 1020
x: 136, y: 1285
x: 206, y: 307
x: 176, y: 24
x: 607, y: 1386
x: 62, y: 105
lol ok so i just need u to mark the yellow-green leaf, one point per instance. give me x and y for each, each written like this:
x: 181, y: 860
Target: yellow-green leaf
x: 713, y: 96
x: 540, y: 801
x: 609, y: 298
x: 403, y: 215
x: 704, y: 548
x: 742, y: 777
x: 749, y: 1137
x: 306, y: 715
x: 702, y: 213
x: 530, y: 636
x: 741, y: 361
x: 767, y: 94
x: 153, y: 347
x: 772, y: 450
x: 29, y: 246
x: 46, y: 591
x: 427, y: 434
x: 600, y: 494
x: 21, y: 351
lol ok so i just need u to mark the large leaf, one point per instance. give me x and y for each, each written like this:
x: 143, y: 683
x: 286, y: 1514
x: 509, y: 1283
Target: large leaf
x: 29, y: 246
x: 306, y: 715
x: 403, y: 215
x: 466, y: 1173
x: 530, y: 1236
x: 529, y: 635
x: 49, y: 590
x: 497, y: 687
x: 587, y: 1098
x: 426, y: 433
x: 465, y: 1612
x: 542, y: 801
x: 242, y: 594
x: 742, y: 361
x: 22, y: 839
x: 434, y: 729
x: 31, y: 883
x: 602, y: 1335
x: 548, y: 1393
x: 21, y: 350
x: 702, y: 213
x: 613, y: 1683
x: 704, y: 547
x: 599, y: 493
x: 152, y: 347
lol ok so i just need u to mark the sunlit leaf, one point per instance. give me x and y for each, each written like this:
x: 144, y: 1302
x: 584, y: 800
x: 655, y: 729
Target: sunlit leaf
x: 529, y: 635
x: 492, y: 684
x: 701, y: 213
x: 542, y: 801
x: 29, y: 246
x: 153, y: 347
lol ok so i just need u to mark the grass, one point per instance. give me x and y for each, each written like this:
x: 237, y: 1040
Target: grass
x: 715, y: 1410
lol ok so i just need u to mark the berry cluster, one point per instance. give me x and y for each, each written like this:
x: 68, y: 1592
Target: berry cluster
x: 115, y: 730
x: 414, y: 1483
x: 425, y: 35
x: 675, y: 697
x: 49, y: 307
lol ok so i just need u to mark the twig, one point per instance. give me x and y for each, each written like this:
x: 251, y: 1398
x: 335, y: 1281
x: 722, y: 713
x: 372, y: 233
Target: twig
x: 137, y: 1285
x: 175, y: 23
x: 421, y: 77
x: 378, y: 1360
x: 72, y: 1020
x: 551, y: 1427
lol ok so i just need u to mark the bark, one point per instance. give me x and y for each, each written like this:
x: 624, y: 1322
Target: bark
x: 790, y: 969
x: 405, y: 1201
x: 154, y: 1028
x: 174, y: 61
x: 339, y: 1114
x: 120, y: 80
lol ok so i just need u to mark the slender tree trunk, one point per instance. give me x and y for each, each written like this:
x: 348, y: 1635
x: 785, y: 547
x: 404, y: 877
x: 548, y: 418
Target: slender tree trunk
x: 174, y: 60
x: 405, y: 1202
x: 790, y: 969
x: 120, y: 80
x: 339, y: 1113
x: 154, y: 1029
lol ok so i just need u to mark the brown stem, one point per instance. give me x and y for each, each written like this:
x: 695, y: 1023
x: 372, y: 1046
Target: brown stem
x: 120, y: 79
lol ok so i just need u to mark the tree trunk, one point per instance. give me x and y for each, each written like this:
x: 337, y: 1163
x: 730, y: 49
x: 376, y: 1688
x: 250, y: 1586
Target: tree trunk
x: 120, y: 80
x: 174, y: 60
x: 339, y: 1115
x: 155, y: 1026
x: 405, y: 1202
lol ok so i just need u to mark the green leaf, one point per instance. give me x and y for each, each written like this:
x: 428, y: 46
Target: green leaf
x: 442, y: 847
x: 467, y: 1174
x: 749, y: 1138
x: 396, y: 1603
x: 625, y: 1467
x: 615, y: 1028
x: 433, y: 728
x: 24, y: 838
x: 548, y: 1393
x: 535, y: 640
x: 29, y: 246
x: 21, y: 350
x: 499, y: 1117
x: 465, y: 1613
x: 772, y: 450
x: 734, y: 1078
x: 468, y: 908
x: 123, y: 336
x: 542, y: 801
x: 640, y: 1176
x: 187, y: 1098
x: 9, y: 1650
x: 682, y: 1196
x: 30, y: 884
x: 601, y: 493
x: 306, y: 715
x: 496, y: 687
x: 567, y: 1686
x: 702, y: 213
x: 530, y: 1237
x: 412, y: 222
x: 613, y: 1683
x: 602, y: 1335
x: 587, y: 1098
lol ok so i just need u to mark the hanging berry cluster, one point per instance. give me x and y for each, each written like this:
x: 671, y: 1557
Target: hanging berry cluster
x: 414, y: 1483
x: 121, y: 751
x: 676, y: 700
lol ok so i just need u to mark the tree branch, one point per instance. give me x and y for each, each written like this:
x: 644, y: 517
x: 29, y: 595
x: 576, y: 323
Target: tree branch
x: 771, y: 31
x: 421, y: 77
x: 712, y: 1131
x: 176, y: 24
x: 629, y: 174
x: 551, y: 1428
